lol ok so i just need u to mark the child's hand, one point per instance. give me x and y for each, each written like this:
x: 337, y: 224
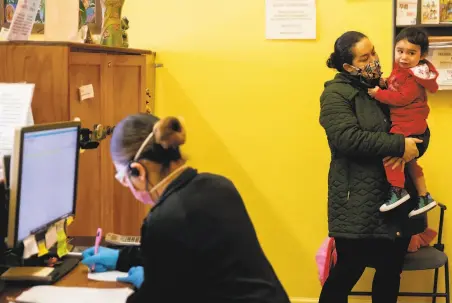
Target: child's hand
x: 373, y: 91
x: 383, y: 83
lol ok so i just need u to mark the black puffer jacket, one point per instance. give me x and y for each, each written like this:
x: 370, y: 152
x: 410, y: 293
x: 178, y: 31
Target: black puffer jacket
x: 198, y: 245
x: 357, y: 130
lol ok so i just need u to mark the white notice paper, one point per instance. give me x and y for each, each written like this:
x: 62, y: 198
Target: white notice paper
x: 290, y: 19
x: 441, y: 57
x: 86, y: 92
x: 59, y: 294
x: 23, y: 19
x: 30, y: 247
x: 15, y: 111
x: 108, y: 276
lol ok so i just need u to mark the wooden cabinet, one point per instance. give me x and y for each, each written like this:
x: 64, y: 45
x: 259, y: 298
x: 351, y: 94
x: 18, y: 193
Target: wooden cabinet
x: 123, y: 81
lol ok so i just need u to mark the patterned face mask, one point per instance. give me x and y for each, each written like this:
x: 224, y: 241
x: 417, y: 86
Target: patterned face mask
x: 371, y: 71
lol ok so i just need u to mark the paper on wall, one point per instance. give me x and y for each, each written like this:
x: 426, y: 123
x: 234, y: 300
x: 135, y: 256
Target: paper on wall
x: 15, y: 111
x: 30, y: 120
x: 86, y: 92
x: 290, y: 19
x: 23, y: 19
x: 441, y: 58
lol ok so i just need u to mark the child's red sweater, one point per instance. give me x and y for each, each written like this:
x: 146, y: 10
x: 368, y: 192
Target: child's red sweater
x: 407, y: 98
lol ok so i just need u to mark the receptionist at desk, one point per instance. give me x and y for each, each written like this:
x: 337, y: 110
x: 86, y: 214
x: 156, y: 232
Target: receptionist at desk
x: 198, y: 243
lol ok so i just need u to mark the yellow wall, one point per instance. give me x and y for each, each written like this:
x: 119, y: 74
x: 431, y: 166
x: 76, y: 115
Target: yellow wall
x: 252, y: 108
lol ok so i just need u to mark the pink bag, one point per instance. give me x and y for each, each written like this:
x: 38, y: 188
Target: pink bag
x: 326, y: 258
x: 421, y: 240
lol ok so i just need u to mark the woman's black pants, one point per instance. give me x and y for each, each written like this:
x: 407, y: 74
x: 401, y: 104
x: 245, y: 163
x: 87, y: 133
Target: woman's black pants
x: 353, y: 256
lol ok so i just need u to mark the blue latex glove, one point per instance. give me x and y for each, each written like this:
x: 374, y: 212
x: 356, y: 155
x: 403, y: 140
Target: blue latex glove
x: 104, y: 260
x: 135, y: 277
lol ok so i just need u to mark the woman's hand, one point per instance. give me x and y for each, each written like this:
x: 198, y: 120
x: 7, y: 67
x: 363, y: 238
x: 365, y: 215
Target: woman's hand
x: 104, y: 260
x: 411, y: 150
x: 394, y: 162
x: 135, y: 276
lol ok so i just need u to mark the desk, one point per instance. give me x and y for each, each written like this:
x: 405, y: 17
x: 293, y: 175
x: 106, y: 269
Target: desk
x: 77, y: 277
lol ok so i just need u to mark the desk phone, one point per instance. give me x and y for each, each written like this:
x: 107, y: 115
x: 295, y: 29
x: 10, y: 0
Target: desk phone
x: 122, y: 240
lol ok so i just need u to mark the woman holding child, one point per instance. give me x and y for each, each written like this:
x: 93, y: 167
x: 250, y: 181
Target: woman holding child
x: 358, y: 132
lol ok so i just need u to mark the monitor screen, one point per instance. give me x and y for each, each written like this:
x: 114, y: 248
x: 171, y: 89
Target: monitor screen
x: 47, y: 178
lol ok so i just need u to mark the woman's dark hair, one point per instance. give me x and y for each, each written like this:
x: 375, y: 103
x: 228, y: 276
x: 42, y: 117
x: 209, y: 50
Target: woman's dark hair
x: 133, y: 130
x: 343, y: 52
x: 416, y: 36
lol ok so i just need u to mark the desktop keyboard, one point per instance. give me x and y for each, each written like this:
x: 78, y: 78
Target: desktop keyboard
x: 63, y: 269
x: 60, y: 270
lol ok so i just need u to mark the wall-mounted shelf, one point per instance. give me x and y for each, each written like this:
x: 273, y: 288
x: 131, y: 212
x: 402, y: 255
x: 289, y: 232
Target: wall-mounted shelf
x: 437, y: 29
x: 434, y: 39
x: 427, y: 25
x: 438, y: 33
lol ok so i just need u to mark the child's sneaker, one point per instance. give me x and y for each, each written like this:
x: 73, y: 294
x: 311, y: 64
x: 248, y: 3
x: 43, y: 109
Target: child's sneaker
x: 397, y: 196
x: 425, y: 204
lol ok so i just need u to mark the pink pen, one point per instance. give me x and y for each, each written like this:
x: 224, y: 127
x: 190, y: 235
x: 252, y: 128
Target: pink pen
x: 96, y: 245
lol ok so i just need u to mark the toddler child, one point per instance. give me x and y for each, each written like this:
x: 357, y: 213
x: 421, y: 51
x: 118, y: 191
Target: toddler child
x: 405, y: 93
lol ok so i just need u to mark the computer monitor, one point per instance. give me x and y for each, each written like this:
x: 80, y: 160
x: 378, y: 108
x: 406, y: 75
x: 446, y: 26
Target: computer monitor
x: 43, y: 185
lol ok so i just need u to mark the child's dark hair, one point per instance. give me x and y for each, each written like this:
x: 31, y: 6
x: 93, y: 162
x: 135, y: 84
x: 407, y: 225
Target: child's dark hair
x: 416, y: 36
x: 343, y: 52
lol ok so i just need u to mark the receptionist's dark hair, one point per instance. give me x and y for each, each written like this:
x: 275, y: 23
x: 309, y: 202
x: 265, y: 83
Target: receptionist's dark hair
x: 133, y: 130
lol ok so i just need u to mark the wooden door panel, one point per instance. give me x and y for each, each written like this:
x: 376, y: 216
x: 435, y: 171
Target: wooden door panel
x: 46, y: 67
x: 84, y: 69
x: 127, y: 92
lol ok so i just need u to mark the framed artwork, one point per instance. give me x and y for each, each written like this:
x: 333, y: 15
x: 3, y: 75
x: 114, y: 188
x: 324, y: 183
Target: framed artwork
x: 92, y: 8
x: 91, y: 14
x: 7, y: 8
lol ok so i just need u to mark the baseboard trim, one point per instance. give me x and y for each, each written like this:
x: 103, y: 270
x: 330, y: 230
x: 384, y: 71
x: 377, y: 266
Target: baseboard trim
x: 303, y: 300
x: 351, y: 300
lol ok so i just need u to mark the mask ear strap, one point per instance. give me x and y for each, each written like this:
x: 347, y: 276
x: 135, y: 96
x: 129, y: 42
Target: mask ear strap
x: 145, y: 142
x: 134, y: 171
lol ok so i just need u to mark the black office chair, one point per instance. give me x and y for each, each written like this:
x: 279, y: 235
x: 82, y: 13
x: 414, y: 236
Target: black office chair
x: 426, y: 258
